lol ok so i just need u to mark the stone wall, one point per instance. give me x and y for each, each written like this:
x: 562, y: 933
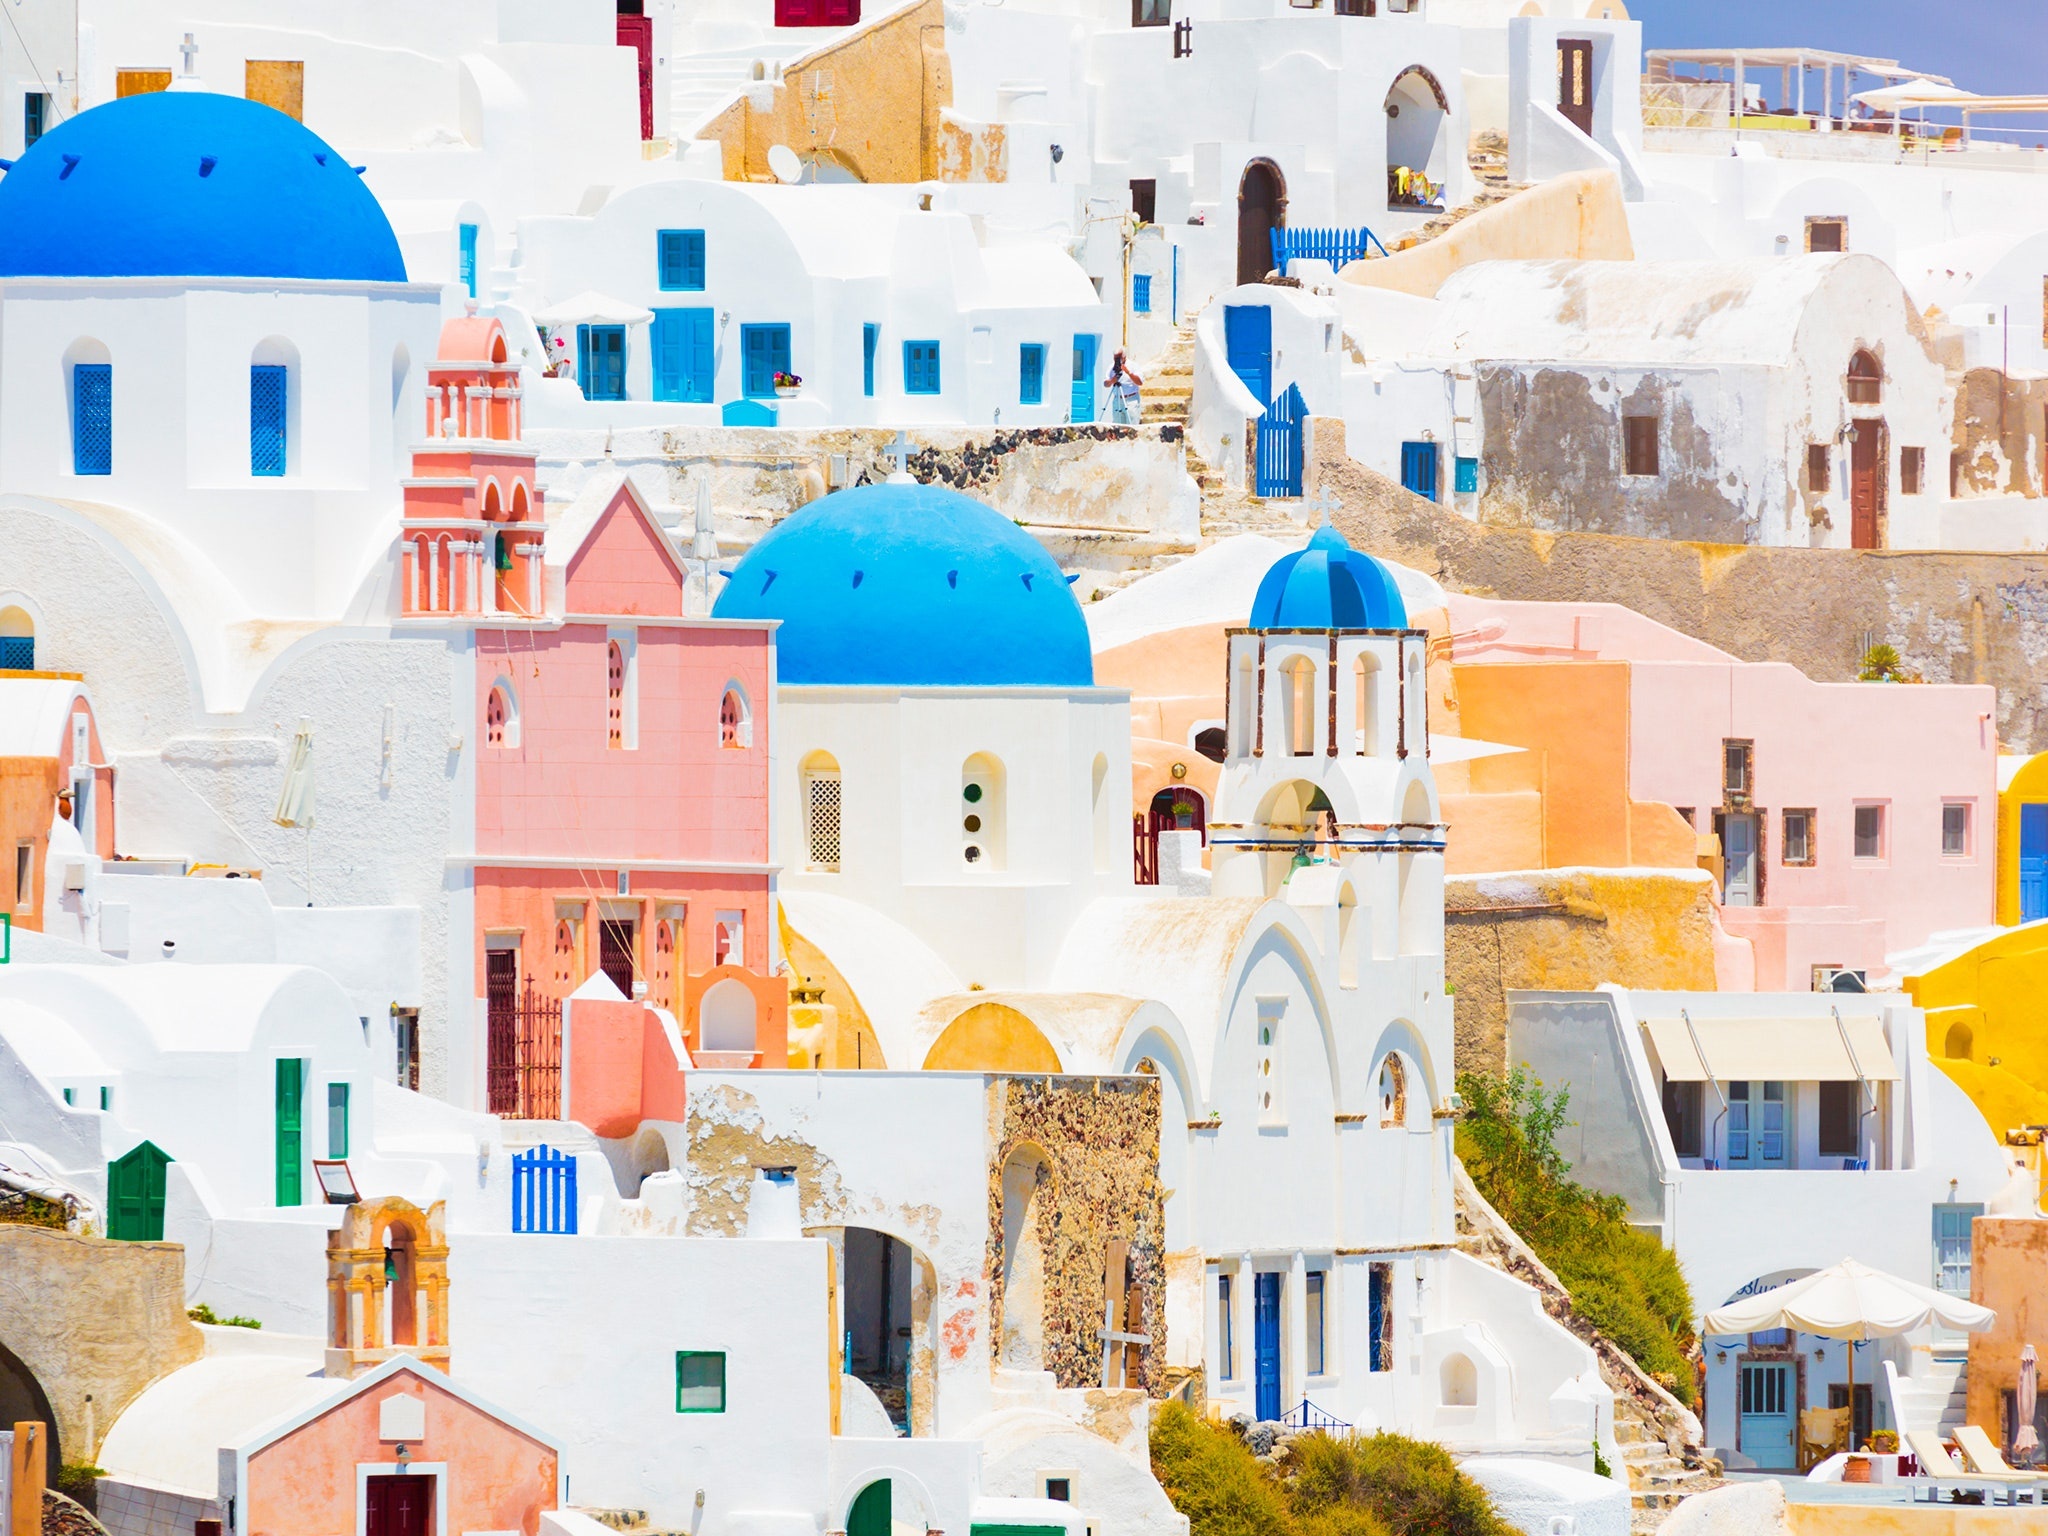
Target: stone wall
x: 1100, y: 1141
x: 1954, y: 617
x: 2008, y: 1260
x: 94, y: 1322
x: 1567, y: 930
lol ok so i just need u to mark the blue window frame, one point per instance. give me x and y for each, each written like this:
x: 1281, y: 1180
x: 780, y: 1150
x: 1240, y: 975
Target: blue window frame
x: 35, y: 117
x: 764, y: 352
x: 1141, y: 293
x: 683, y: 365
x: 92, y: 419
x: 681, y: 258
x: 601, y: 361
x: 466, y: 257
x: 920, y: 367
x: 870, y: 338
x: 1031, y: 373
x: 1467, y: 475
x: 269, y: 386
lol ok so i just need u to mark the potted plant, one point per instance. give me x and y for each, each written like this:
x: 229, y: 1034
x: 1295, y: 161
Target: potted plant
x: 787, y: 384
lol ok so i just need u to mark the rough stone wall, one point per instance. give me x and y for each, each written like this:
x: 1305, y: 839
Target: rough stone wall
x: 1999, y: 436
x: 2009, y: 1255
x: 1954, y: 617
x: 1100, y: 1139
x: 95, y: 1322
x: 1567, y: 930
x: 887, y: 84
x: 1551, y: 454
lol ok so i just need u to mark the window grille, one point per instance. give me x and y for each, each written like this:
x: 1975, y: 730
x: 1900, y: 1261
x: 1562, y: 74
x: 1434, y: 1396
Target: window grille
x: 92, y: 419
x: 267, y: 386
x: 821, y: 820
x: 615, y: 695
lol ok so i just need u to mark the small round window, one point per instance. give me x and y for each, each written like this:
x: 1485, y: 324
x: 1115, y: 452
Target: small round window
x: 971, y: 794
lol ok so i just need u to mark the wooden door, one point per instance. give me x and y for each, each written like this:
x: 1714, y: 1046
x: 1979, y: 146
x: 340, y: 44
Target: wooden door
x: 1765, y: 1427
x: 1866, y: 483
x: 1575, y: 82
x: 402, y: 1505
x: 637, y: 33
x: 1081, y: 400
x: 291, y: 1166
x: 135, y: 1195
x: 1738, y: 859
x: 277, y: 83
x: 1261, y: 202
x: 871, y: 1512
x: 1266, y: 1345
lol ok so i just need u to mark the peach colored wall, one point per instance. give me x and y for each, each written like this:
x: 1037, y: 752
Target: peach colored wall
x: 28, y: 800
x: 2009, y: 1274
x: 617, y: 1054
x: 624, y: 566
x: 1175, y: 679
x: 498, y: 1478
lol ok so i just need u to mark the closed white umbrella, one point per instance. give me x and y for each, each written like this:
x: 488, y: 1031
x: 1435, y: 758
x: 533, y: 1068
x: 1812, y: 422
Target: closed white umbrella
x: 2026, y: 1443
x: 1849, y: 1301
x: 295, y: 798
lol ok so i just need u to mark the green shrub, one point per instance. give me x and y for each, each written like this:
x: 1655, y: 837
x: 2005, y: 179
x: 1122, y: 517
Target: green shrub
x: 205, y: 1314
x: 1622, y: 1280
x: 79, y: 1480
x: 1325, y: 1485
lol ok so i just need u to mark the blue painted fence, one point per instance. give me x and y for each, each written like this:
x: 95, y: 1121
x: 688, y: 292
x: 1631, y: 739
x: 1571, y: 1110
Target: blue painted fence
x: 543, y: 1191
x: 1336, y: 246
x: 1278, y: 471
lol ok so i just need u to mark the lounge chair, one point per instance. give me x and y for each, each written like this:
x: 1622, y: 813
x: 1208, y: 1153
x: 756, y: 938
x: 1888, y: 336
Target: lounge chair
x: 1943, y: 1474
x: 1982, y: 1454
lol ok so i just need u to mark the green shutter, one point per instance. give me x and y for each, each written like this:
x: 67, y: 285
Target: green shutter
x: 291, y: 1141
x: 135, y: 1195
x: 337, y: 1120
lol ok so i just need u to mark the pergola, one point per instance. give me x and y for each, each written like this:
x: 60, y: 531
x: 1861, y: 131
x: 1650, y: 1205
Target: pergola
x: 1785, y: 61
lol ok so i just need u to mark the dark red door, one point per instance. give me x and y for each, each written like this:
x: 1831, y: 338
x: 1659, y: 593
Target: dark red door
x: 637, y: 33
x: 1575, y: 82
x: 501, y: 1030
x: 816, y: 13
x: 1866, y: 489
x: 615, y: 952
x: 401, y: 1506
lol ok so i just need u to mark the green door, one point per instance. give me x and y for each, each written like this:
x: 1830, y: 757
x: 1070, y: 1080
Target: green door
x: 135, y: 1194
x: 291, y: 1142
x: 870, y: 1514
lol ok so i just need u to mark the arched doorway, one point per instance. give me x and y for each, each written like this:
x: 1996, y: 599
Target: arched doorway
x: 1261, y: 209
x: 1021, y: 1342
x: 1180, y: 809
x: 23, y: 1400
x: 1418, y: 139
x: 878, y: 1331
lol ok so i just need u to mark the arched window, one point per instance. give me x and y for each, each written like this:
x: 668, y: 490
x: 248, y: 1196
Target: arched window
x: 89, y: 369
x: 727, y: 1022
x: 497, y: 718
x: 1419, y: 897
x: 1393, y: 1091
x: 1298, y: 704
x: 1180, y: 809
x: 1866, y: 380
x: 1416, y: 705
x: 444, y: 574
x: 1021, y: 1341
x: 820, y: 811
x: 423, y: 573
x: 1956, y: 1047
x: 17, y: 640
x: 273, y: 413
x: 1368, y: 704
x: 981, y: 812
x: 663, y: 979
x: 565, y: 956
x: 615, y: 695
x: 735, y: 720
x: 401, y: 1284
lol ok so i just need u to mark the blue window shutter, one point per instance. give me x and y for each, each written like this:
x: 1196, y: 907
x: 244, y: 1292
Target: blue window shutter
x: 1031, y: 374
x: 693, y: 259
x: 92, y: 419
x: 870, y: 335
x: 583, y: 360
x: 764, y: 352
x: 1141, y: 293
x: 920, y: 368
x: 1468, y: 475
x: 268, y: 387
x: 468, y: 258
x: 680, y: 257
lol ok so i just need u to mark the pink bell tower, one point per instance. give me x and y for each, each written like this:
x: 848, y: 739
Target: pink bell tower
x: 471, y: 540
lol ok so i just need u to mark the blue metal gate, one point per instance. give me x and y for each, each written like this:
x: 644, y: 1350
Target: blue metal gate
x: 1266, y: 1345
x: 1418, y: 468
x: 543, y: 1191
x: 1279, y: 445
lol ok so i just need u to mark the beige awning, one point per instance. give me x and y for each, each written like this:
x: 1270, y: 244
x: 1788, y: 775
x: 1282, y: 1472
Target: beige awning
x: 1809, y: 1049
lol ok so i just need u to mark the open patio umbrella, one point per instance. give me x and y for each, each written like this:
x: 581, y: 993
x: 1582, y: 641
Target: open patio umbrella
x: 2026, y: 1444
x: 1849, y: 1301
x: 1913, y: 93
x: 593, y: 308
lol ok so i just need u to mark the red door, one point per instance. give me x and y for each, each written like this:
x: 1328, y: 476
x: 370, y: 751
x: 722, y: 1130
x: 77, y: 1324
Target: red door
x: 1575, y: 82
x: 401, y: 1506
x: 1866, y: 491
x: 816, y: 13
x: 637, y: 33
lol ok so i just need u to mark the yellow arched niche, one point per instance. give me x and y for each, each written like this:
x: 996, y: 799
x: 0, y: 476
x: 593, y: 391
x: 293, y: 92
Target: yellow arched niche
x: 992, y: 1037
x: 831, y: 1032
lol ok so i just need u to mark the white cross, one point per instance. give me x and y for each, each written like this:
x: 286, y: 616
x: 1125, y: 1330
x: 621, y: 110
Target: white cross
x: 191, y: 51
x: 1324, y: 503
x: 900, y: 450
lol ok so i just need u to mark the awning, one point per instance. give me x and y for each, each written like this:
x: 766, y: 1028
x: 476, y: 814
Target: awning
x: 1807, y: 1049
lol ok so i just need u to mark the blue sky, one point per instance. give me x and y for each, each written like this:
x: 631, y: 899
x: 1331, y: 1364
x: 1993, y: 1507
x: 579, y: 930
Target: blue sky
x: 1991, y: 46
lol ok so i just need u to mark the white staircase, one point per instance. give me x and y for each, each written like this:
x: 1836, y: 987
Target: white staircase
x: 504, y: 277
x: 1934, y: 1400
x: 703, y: 81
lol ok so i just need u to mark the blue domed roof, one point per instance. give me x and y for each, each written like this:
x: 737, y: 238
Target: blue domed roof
x: 911, y: 586
x: 1328, y: 585
x: 191, y: 184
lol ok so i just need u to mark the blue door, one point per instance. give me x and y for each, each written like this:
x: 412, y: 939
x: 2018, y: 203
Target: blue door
x: 466, y: 258
x: 1248, y: 345
x: 1083, y: 407
x: 1765, y: 1426
x: 682, y: 355
x: 1418, y: 468
x: 2033, y: 862
x: 764, y: 352
x: 1266, y: 1345
x: 601, y: 361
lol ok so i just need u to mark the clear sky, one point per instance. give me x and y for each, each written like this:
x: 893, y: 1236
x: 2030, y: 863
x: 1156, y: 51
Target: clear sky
x: 1994, y: 47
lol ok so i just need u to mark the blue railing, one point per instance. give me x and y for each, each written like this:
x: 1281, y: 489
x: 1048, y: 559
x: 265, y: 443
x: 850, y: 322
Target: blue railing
x: 1336, y: 246
x: 1308, y: 1416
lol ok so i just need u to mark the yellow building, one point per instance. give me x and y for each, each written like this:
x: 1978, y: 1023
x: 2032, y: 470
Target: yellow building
x: 2022, y: 839
x: 1985, y: 1024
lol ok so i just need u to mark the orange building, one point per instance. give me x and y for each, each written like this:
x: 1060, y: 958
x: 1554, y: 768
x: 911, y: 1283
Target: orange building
x: 53, y: 772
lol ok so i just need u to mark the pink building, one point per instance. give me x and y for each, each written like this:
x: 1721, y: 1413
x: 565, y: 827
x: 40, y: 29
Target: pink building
x: 1846, y: 820
x: 621, y: 750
